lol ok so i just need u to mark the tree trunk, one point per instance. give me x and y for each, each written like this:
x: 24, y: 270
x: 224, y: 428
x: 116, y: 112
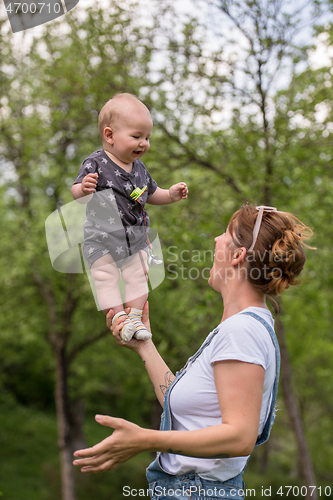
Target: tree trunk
x: 294, y: 415
x: 264, y: 458
x: 64, y: 427
x: 78, y: 438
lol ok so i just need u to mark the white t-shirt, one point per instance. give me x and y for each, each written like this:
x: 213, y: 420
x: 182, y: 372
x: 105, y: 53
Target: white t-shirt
x: 193, y: 400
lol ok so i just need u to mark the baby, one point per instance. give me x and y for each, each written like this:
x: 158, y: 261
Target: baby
x: 117, y: 224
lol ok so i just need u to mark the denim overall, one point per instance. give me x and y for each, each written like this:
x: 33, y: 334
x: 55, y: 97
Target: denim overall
x: 190, y: 485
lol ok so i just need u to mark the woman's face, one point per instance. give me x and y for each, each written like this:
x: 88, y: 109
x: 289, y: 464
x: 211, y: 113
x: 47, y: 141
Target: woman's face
x: 220, y: 272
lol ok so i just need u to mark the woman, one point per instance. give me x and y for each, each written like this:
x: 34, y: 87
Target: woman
x: 221, y: 404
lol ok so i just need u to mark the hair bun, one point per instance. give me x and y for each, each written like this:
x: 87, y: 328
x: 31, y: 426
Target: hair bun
x: 278, y: 256
x: 288, y: 257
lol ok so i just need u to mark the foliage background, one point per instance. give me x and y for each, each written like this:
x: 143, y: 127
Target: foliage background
x: 209, y: 132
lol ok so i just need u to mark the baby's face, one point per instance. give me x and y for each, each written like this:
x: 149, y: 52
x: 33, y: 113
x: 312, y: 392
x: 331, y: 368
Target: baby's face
x: 131, y: 133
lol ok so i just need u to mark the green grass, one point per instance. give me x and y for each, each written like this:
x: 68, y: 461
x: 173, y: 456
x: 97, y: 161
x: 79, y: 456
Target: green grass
x: 28, y: 454
x: 29, y: 460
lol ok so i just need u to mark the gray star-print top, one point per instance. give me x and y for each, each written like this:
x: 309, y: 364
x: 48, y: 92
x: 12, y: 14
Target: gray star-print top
x: 116, y: 203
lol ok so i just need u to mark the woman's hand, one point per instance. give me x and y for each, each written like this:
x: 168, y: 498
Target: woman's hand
x: 126, y: 441
x: 134, y: 344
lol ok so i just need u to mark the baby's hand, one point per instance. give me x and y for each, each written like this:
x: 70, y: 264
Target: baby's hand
x: 178, y: 191
x: 89, y: 183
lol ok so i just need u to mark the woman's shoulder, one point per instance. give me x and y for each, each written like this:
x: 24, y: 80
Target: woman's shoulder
x: 245, y: 327
x: 243, y: 337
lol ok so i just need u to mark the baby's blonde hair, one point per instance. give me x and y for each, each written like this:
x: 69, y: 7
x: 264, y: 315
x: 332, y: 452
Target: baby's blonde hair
x: 112, y: 111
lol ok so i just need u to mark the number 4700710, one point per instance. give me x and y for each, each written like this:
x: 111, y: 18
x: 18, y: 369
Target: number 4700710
x: 32, y: 8
x: 304, y: 491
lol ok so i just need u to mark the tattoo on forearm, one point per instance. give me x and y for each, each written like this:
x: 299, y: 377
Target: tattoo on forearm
x: 168, y: 379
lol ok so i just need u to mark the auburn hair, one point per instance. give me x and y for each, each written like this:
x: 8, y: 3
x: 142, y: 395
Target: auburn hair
x: 278, y: 256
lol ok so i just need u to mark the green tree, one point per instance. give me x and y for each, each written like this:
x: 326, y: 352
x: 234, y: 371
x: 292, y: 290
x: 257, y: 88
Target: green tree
x: 231, y: 138
x: 252, y: 155
x: 52, y: 94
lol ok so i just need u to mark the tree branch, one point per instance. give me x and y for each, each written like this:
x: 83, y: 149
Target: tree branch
x: 80, y: 347
x: 192, y: 156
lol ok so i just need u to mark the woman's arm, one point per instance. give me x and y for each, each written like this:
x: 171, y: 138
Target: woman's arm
x: 239, y: 387
x: 158, y: 371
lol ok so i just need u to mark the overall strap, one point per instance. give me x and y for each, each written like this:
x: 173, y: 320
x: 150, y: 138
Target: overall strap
x: 166, y: 415
x: 270, y: 419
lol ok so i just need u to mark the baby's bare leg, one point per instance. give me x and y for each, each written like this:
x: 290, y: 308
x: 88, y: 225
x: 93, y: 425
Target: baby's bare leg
x: 106, y: 276
x: 134, y: 273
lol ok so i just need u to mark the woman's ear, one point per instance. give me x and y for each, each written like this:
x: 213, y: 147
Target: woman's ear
x: 108, y: 135
x: 239, y: 256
